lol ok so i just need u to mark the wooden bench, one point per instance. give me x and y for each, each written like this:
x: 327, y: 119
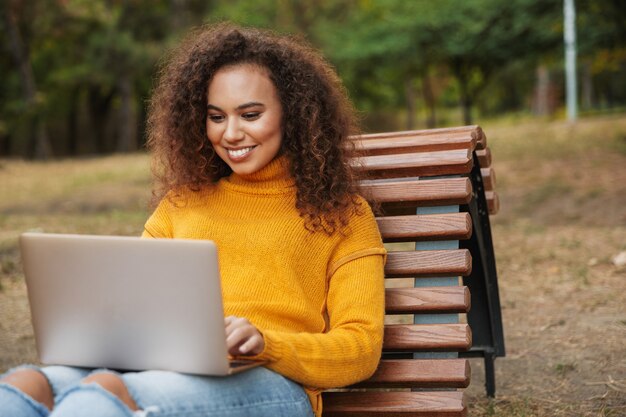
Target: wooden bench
x: 432, y: 192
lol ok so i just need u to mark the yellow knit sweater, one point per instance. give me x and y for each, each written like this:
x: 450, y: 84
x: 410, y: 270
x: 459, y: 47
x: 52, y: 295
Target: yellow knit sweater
x: 317, y: 300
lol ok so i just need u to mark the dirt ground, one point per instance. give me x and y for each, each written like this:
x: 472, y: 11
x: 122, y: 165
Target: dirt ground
x: 565, y: 326
x: 558, y: 238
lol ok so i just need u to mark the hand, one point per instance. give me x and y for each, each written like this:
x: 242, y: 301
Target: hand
x: 242, y: 338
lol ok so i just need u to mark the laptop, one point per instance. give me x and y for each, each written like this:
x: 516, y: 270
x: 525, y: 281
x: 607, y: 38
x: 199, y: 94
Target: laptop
x: 127, y: 303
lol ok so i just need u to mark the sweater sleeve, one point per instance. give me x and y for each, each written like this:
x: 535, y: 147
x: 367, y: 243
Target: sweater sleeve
x: 350, y: 350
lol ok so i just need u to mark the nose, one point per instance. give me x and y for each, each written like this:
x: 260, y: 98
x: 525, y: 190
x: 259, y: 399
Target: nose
x: 233, y: 132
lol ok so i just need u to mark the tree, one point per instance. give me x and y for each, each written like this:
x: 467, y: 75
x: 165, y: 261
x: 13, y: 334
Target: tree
x: 41, y: 148
x: 78, y: 73
x: 473, y: 40
x: 480, y: 37
x: 602, y: 51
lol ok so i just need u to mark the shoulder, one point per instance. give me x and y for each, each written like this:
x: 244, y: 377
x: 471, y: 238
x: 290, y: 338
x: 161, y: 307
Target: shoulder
x: 361, y: 229
x: 362, y: 216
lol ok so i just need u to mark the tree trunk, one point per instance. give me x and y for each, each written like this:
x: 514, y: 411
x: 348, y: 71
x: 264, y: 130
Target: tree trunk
x: 99, y: 107
x: 127, y: 140
x: 542, y: 92
x: 41, y: 147
x: 465, y: 99
x: 409, y: 92
x: 5, y: 144
x: 72, y: 123
x: 179, y: 16
x: 301, y: 16
x: 466, y: 104
x: 587, y: 87
x: 429, y: 98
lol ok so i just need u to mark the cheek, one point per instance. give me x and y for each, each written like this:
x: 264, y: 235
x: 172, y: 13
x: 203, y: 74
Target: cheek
x: 211, y: 134
x: 273, y: 131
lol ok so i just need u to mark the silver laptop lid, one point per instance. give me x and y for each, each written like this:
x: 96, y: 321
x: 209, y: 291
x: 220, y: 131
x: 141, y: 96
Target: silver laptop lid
x: 126, y: 302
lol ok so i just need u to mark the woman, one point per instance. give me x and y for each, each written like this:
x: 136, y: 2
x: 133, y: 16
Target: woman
x: 248, y: 132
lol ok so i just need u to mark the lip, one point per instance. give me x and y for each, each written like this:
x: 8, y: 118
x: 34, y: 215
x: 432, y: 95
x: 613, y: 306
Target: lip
x: 236, y: 155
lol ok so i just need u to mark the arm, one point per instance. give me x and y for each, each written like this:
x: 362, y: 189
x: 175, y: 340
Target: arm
x: 350, y: 350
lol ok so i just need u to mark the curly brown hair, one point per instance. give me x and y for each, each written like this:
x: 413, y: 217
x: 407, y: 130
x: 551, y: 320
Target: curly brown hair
x: 317, y: 119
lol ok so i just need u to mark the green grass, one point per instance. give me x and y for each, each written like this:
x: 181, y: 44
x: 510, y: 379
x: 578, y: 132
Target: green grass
x: 558, y: 172
x: 107, y: 195
x: 36, y: 183
x: 564, y: 368
x: 544, y: 140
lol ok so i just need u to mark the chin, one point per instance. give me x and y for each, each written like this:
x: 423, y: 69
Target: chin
x: 244, y: 170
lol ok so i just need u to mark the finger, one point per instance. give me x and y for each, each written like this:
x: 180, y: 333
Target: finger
x: 236, y: 338
x: 228, y: 324
x: 234, y: 323
x: 248, y: 345
x: 253, y: 345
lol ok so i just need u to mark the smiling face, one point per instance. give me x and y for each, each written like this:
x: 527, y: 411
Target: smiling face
x: 244, y: 117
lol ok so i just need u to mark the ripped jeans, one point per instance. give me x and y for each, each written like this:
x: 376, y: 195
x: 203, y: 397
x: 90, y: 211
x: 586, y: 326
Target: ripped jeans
x: 256, y: 392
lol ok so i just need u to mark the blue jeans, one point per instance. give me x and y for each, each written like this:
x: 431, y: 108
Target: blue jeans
x: 256, y: 392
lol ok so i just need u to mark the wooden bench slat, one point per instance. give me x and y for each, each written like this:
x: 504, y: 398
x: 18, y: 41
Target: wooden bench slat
x: 416, y: 164
x: 419, y: 373
x: 475, y: 131
x: 427, y: 337
x: 493, y: 201
x: 484, y: 157
x: 429, y: 263
x: 449, y: 226
x: 414, y: 143
x: 420, y: 132
x: 394, y: 404
x: 481, y: 138
x: 489, y: 178
x: 427, y: 300
x: 433, y: 192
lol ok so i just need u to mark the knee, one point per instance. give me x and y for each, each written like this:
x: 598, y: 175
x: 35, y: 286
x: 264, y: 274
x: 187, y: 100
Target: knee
x: 106, y: 380
x: 114, y: 384
x: 33, y: 383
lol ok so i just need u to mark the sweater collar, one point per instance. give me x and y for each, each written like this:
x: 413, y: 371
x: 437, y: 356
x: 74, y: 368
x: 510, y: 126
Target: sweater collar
x: 275, y: 177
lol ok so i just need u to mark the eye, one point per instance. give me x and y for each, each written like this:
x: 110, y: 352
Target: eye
x: 215, y: 118
x: 251, y: 115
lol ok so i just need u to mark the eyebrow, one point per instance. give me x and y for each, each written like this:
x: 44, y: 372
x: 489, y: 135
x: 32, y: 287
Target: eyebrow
x: 239, y: 107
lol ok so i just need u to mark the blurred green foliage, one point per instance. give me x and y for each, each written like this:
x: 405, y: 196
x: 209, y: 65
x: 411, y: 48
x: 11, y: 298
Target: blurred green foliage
x: 77, y: 74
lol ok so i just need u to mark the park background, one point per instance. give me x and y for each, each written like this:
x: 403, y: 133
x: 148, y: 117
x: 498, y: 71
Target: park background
x: 76, y: 82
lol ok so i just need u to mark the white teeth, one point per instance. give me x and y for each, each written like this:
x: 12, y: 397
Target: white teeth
x: 239, y: 152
